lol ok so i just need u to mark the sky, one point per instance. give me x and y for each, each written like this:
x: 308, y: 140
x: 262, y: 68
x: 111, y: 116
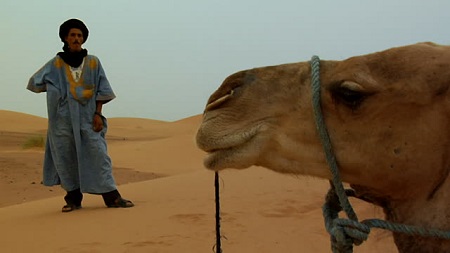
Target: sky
x: 164, y: 58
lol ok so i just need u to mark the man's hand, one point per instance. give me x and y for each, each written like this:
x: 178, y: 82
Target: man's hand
x: 97, y: 123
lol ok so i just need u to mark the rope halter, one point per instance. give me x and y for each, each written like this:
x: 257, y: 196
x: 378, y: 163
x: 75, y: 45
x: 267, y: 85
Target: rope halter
x: 348, y: 232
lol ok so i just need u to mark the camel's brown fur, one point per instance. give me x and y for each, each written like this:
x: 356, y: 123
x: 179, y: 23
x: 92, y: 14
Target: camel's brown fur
x: 388, y: 115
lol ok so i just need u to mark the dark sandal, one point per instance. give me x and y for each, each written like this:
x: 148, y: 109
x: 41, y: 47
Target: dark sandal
x: 121, y: 202
x: 70, y: 207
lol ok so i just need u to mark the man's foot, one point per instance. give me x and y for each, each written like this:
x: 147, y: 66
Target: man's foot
x: 121, y: 202
x: 73, y: 199
x: 70, y: 207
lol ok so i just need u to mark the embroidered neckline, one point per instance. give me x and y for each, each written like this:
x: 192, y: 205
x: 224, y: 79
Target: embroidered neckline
x: 80, y: 91
x: 77, y: 72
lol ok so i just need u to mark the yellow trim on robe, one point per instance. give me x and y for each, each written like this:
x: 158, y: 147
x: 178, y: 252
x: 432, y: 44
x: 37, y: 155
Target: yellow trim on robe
x: 93, y: 63
x: 58, y: 63
x: 87, y: 90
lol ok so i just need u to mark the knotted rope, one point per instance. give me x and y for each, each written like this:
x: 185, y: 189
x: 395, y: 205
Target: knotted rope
x: 346, y: 232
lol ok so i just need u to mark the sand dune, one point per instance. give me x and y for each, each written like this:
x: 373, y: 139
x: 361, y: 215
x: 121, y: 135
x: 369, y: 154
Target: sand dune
x: 158, y: 166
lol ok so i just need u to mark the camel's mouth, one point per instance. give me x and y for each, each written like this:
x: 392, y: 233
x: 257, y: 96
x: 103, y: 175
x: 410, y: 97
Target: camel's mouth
x: 215, y: 159
x: 224, y: 152
x: 219, y: 159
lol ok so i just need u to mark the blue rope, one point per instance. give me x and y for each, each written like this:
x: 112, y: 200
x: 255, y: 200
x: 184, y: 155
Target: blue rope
x: 348, y: 232
x: 325, y: 138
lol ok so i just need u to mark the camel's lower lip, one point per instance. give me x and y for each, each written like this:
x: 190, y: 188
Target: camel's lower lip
x: 226, y: 149
x: 219, y: 159
x: 212, y: 159
x: 236, y: 157
x: 224, y: 141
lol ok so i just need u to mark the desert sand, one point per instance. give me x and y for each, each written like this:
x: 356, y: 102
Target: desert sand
x: 158, y: 166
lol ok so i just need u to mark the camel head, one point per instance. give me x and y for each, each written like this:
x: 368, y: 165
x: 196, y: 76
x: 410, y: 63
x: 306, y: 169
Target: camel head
x: 387, y: 113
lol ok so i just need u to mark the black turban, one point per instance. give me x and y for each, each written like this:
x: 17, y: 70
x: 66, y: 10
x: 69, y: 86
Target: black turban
x: 73, y: 23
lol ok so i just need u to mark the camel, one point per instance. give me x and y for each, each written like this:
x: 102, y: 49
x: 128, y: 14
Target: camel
x: 388, y: 117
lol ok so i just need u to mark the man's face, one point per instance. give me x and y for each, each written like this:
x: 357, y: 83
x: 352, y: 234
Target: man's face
x: 75, y: 39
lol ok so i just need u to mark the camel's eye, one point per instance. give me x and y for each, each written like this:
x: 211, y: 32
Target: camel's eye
x: 348, y: 96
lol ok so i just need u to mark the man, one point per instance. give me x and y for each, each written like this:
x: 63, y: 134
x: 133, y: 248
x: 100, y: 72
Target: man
x: 76, y: 154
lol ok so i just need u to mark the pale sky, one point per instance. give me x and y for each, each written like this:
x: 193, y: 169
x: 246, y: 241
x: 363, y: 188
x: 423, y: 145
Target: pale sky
x: 164, y: 58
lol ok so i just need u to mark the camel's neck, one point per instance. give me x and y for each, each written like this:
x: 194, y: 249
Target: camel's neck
x: 423, y: 211
x: 426, y: 214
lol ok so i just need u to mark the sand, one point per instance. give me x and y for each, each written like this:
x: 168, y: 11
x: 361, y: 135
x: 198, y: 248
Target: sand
x: 158, y: 166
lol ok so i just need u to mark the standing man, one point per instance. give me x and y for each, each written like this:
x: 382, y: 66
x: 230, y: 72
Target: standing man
x: 76, y: 154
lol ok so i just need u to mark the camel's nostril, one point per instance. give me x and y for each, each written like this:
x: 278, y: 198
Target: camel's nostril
x: 216, y: 103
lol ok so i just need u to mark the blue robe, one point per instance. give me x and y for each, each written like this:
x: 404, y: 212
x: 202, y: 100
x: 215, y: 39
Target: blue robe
x: 75, y: 155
